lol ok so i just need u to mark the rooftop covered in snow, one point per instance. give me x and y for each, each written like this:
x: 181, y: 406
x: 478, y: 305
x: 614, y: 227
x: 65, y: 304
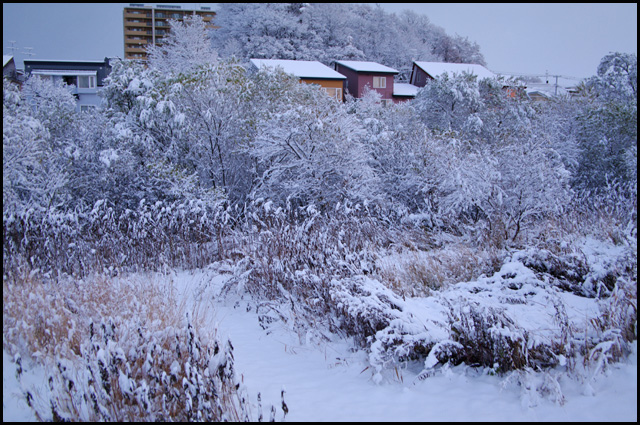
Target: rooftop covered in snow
x: 405, y: 89
x: 436, y: 69
x: 301, y: 69
x: 362, y: 66
x: 6, y: 59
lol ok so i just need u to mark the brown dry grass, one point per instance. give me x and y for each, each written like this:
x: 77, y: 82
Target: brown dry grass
x: 51, y: 318
x: 417, y: 273
x: 66, y: 322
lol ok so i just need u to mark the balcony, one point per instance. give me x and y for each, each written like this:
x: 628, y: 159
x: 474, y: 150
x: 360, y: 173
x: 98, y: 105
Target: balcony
x: 137, y: 14
x: 135, y: 49
x: 137, y: 31
x: 137, y: 23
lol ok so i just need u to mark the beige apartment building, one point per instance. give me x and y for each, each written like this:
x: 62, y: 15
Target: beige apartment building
x: 145, y: 25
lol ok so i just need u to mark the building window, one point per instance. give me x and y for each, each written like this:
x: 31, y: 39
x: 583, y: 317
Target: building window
x: 379, y: 82
x: 88, y: 108
x: 70, y: 80
x: 334, y: 92
x: 87, y: 82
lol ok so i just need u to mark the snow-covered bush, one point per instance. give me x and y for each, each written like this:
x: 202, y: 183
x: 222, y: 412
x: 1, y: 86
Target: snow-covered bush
x: 608, y: 125
x: 148, y: 374
x: 119, y: 349
x: 307, y: 148
x: 419, y: 273
x: 33, y: 158
x: 102, y: 238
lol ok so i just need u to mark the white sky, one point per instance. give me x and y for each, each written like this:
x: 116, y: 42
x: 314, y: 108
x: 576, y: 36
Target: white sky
x: 532, y: 38
x: 566, y: 39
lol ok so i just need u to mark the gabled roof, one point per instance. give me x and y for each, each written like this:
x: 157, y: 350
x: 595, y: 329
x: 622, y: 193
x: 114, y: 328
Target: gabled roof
x: 6, y: 59
x: 404, y: 89
x: 435, y: 69
x: 361, y: 66
x: 301, y: 69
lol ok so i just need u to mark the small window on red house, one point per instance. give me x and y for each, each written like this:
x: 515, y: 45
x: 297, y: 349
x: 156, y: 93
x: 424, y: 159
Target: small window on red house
x: 379, y: 82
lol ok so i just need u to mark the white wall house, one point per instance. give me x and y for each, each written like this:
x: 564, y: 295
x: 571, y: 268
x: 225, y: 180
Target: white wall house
x: 84, y: 78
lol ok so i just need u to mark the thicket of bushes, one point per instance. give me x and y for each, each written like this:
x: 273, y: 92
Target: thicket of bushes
x: 315, y: 269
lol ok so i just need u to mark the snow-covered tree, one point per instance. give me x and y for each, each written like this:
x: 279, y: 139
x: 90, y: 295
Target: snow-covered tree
x: 307, y: 147
x: 334, y: 31
x: 259, y: 30
x: 617, y: 78
x: 482, y: 109
x: 187, y: 48
x: 451, y: 102
x: 609, y: 126
x: 216, y: 119
x: 34, y: 146
x: 127, y: 80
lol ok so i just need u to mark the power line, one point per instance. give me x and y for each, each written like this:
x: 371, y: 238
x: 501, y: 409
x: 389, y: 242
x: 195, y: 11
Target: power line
x: 518, y: 74
x: 545, y: 75
x: 28, y: 51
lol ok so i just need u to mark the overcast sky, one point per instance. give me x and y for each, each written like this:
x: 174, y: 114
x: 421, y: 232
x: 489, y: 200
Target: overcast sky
x: 566, y: 39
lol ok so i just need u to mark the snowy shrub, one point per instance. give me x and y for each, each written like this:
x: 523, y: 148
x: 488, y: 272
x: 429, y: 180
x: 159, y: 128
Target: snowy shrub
x: 619, y: 316
x: 149, y: 374
x: 488, y: 337
x: 281, y: 243
x: 33, y: 170
x: 86, y: 240
x: 120, y: 349
x: 608, y: 124
x: 419, y: 273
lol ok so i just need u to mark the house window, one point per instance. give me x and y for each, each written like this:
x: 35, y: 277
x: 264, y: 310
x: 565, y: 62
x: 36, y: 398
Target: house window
x: 88, y: 108
x: 379, y: 82
x: 334, y: 92
x: 87, y: 82
x: 70, y: 80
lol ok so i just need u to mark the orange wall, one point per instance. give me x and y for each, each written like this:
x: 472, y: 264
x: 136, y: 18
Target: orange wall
x: 334, y: 84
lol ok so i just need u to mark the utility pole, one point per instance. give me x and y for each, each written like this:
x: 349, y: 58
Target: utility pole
x: 13, y: 47
x: 28, y: 52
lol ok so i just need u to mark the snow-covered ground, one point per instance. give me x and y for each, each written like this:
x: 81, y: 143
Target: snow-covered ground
x: 331, y: 381
x: 328, y: 384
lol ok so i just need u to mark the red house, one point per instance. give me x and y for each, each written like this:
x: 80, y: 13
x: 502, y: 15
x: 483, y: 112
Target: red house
x: 367, y: 74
